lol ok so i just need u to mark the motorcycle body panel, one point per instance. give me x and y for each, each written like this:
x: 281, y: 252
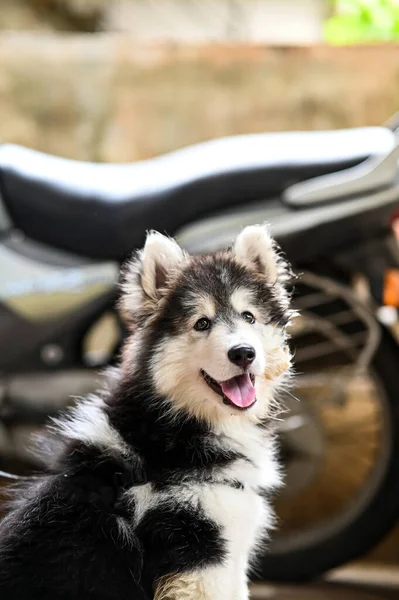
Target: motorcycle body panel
x: 48, y: 299
x: 303, y: 234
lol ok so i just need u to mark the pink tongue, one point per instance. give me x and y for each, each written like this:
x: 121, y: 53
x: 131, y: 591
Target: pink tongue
x: 239, y: 390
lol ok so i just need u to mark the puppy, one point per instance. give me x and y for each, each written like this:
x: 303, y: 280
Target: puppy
x: 158, y: 488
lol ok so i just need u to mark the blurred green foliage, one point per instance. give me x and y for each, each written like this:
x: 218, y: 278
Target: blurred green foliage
x: 357, y: 21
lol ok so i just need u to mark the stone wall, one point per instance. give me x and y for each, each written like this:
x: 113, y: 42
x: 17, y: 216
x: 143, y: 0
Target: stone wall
x: 199, y: 21
x: 104, y: 97
x: 221, y: 21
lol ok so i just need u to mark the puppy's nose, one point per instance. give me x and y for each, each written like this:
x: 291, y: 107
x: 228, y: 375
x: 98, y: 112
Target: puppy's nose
x: 242, y: 355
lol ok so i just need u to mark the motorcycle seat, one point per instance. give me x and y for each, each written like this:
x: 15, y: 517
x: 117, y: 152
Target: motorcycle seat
x: 102, y: 211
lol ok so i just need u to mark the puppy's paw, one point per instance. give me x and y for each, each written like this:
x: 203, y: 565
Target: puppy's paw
x: 185, y: 586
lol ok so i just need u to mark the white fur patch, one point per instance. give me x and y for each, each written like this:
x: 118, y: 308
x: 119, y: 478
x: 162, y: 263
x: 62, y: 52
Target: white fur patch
x: 258, y: 446
x: 243, y: 517
x: 241, y: 300
x: 88, y: 423
x: 144, y: 499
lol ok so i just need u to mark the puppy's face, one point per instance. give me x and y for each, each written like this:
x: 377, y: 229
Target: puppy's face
x: 213, y: 327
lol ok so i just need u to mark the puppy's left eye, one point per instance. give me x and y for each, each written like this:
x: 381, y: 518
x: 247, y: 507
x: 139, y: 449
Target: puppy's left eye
x: 248, y: 317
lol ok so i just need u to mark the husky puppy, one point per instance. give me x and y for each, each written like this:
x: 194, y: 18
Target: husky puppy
x: 159, y: 488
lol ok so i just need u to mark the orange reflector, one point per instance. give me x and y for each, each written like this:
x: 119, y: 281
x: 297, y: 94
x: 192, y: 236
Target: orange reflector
x: 391, y: 288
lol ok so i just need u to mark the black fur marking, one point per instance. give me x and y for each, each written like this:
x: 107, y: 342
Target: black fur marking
x: 63, y: 543
x: 178, y: 539
x: 99, y: 478
x: 171, y: 449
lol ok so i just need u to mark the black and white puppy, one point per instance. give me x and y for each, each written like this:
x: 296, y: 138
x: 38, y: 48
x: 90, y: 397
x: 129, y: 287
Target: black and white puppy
x: 158, y: 489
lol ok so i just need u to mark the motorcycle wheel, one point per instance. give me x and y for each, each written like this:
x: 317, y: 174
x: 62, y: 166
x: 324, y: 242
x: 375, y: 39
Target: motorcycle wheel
x: 342, y: 492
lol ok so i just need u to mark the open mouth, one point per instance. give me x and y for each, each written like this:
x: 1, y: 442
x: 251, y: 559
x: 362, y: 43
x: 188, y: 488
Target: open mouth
x: 238, y: 391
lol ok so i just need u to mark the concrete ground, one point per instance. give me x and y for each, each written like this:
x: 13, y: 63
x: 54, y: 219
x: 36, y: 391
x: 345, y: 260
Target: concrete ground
x: 352, y: 583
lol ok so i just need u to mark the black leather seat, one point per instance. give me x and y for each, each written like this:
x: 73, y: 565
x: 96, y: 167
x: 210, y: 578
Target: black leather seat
x: 102, y: 211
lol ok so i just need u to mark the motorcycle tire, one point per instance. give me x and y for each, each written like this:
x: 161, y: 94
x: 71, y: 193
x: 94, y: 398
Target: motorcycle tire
x: 376, y: 519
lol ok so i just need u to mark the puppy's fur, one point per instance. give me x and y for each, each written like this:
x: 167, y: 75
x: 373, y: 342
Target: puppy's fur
x: 158, y: 488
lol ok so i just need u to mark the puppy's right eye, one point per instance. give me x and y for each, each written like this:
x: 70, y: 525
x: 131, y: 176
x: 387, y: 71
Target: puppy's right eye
x: 202, y: 324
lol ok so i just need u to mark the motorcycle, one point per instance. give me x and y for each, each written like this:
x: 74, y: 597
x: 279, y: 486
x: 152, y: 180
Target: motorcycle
x: 331, y: 198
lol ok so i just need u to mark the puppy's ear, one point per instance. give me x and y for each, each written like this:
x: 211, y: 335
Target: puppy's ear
x: 161, y: 260
x: 147, y: 276
x: 256, y: 249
